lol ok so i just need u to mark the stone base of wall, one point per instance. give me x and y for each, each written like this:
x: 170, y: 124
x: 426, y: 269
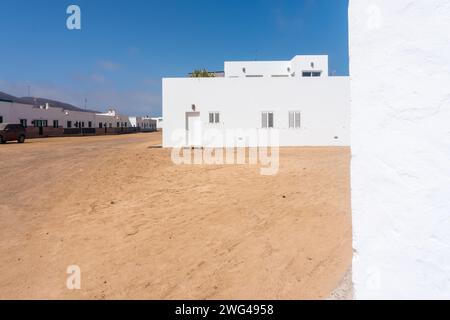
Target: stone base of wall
x: 35, y: 132
x: 46, y: 132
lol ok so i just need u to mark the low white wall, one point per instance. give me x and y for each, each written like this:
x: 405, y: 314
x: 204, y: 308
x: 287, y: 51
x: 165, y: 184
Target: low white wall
x: 264, y: 68
x: 323, y: 103
x: 400, y: 110
x: 295, y: 66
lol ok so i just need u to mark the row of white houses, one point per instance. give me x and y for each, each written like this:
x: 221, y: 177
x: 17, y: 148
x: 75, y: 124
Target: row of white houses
x: 48, y: 113
x: 297, y: 99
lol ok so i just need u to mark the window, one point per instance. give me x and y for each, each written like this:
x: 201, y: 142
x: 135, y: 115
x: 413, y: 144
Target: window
x: 267, y: 119
x: 100, y: 125
x: 40, y: 123
x: 214, y: 117
x: 90, y: 124
x: 118, y: 124
x: 1, y: 119
x: 82, y: 124
x: 55, y: 124
x: 311, y: 73
x: 24, y: 122
x: 294, y: 120
x: 69, y: 124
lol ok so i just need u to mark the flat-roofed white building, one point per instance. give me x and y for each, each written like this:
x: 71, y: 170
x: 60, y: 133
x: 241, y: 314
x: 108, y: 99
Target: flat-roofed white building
x: 144, y: 123
x: 297, y: 98
x: 159, y: 122
x: 112, y: 119
x: 45, y: 113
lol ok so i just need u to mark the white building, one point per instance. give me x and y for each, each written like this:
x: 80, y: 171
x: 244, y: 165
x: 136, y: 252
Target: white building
x: 18, y: 111
x: 159, y: 122
x: 296, y: 98
x: 49, y: 113
x: 144, y: 123
x: 113, y: 119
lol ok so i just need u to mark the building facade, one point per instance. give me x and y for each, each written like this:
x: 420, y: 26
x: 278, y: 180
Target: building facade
x: 159, y: 122
x: 144, y: 123
x: 297, y: 99
x: 57, y: 115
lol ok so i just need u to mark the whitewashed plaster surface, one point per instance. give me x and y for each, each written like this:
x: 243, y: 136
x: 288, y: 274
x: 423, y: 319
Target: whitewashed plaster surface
x: 400, y: 117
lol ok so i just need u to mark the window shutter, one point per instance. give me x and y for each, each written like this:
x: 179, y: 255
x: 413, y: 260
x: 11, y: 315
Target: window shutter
x: 291, y: 119
x: 270, y: 120
x: 297, y: 119
x: 264, y: 119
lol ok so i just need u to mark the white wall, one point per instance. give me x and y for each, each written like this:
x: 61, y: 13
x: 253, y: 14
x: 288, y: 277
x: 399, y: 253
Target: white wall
x: 159, y: 122
x: 263, y: 68
x: 310, y: 63
x: 323, y: 103
x: 400, y: 92
x: 294, y: 67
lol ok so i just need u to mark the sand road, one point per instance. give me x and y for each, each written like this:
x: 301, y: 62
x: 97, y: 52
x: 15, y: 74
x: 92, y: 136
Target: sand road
x: 140, y: 227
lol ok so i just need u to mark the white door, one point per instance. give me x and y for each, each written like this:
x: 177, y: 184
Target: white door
x: 194, y: 130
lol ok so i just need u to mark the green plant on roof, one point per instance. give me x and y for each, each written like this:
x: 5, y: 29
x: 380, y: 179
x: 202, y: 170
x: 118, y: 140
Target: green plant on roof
x: 202, y: 74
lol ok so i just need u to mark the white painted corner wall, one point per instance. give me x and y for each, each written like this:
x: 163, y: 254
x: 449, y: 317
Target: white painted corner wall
x: 400, y: 116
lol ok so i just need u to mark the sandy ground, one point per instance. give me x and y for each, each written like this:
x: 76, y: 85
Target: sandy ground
x: 141, y: 227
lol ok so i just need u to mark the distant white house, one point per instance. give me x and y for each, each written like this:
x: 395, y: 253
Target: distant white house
x: 144, y: 123
x: 159, y: 122
x: 49, y: 113
x: 297, y: 99
x: 113, y: 119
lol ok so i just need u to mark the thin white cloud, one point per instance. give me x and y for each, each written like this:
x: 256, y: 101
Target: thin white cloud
x: 97, y: 78
x: 109, y: 65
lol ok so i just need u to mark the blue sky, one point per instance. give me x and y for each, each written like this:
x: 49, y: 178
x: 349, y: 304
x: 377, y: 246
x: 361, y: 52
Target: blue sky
x: 125, y: 47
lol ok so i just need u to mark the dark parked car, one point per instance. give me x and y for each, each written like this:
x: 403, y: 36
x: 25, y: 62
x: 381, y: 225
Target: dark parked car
x: 12, y: 132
